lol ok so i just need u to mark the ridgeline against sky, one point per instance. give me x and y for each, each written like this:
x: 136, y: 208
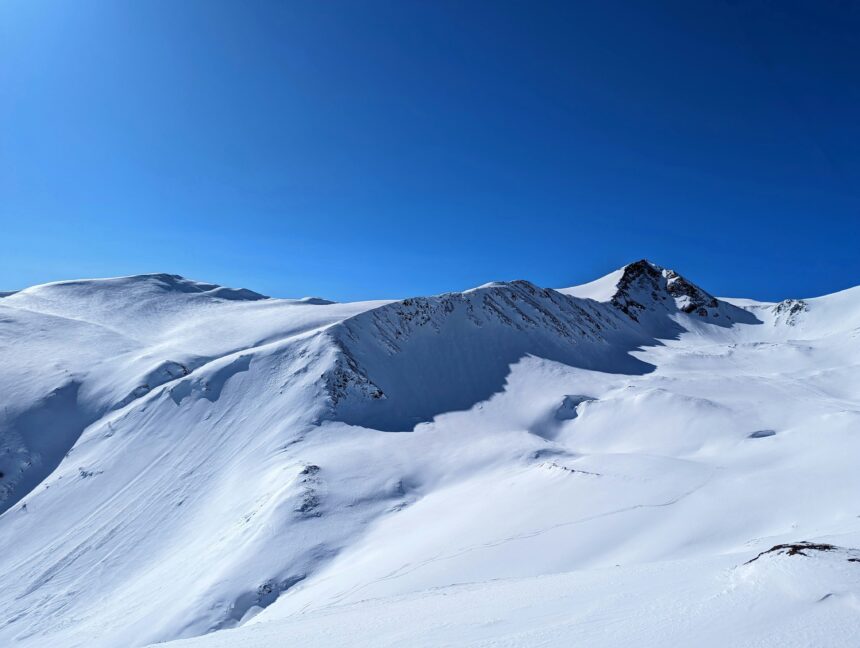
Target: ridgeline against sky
x: 381, y: 149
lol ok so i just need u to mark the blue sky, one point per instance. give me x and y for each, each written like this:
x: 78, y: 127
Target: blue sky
x: 383, y: 149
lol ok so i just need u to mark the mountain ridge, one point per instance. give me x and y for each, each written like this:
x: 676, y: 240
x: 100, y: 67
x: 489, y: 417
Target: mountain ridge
x: 194, y: 463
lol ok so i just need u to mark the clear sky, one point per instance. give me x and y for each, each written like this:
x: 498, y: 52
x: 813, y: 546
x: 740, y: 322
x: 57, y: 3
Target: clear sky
x: 358, y: 149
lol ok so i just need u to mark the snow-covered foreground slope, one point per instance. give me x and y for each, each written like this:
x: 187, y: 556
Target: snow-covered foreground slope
x: 510, y: 465
x: 778, y: 601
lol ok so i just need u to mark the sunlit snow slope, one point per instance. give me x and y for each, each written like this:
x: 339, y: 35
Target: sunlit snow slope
x: 510, y: 465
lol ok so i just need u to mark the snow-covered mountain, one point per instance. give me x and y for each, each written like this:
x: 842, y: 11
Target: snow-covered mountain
x: 614, y: 464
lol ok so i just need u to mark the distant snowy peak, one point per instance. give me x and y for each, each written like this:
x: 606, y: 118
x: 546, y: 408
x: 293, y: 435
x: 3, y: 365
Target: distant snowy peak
x: 643, y: 284
x: 148, y: 284
x: 315, y: 301
x: 179, y: 284
x: 642, y: 287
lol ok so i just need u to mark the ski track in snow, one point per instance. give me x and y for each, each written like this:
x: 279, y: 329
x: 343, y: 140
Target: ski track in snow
x: 407, y: 568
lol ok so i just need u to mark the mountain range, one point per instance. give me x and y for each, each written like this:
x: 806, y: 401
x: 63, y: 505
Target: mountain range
x: 633, y: 461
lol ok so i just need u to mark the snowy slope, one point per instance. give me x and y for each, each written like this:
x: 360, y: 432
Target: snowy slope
x: 777, y: 601
x: 180, y: 458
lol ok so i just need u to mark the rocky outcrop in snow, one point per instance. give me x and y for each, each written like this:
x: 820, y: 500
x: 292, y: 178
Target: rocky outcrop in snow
x: 788, y: 311
x: 645, y: 287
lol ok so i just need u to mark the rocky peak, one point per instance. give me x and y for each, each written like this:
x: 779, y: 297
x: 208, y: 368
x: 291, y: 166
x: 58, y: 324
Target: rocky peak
x: 645, y: 286
x: 688, y: 296
x: 639, y: 284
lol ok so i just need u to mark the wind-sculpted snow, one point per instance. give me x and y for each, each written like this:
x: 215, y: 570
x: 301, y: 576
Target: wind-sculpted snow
x: 414, y: 359
x: 178, y: 459
x: 405, y: 362
x: 75, y: 351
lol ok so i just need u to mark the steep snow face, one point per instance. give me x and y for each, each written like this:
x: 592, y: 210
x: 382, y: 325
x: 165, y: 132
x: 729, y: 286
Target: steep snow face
x: 411, y: 360
x: 417, y: 358
x: 179, y: 459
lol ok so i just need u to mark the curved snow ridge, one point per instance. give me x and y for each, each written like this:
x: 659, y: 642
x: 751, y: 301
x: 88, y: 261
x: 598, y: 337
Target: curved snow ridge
x: 813, y: 318
x: 601, y: 290
x: 148, y: 283
x: 48, y: 412
x: 519, y: 304
x: 140, y: 306
x: 36, y: 439
x: 145, y: 309
x: 835, y: 313
x: 404, y: 362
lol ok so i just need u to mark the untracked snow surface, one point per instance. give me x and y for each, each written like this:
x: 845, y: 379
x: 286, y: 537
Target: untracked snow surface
x: 630, y: 462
